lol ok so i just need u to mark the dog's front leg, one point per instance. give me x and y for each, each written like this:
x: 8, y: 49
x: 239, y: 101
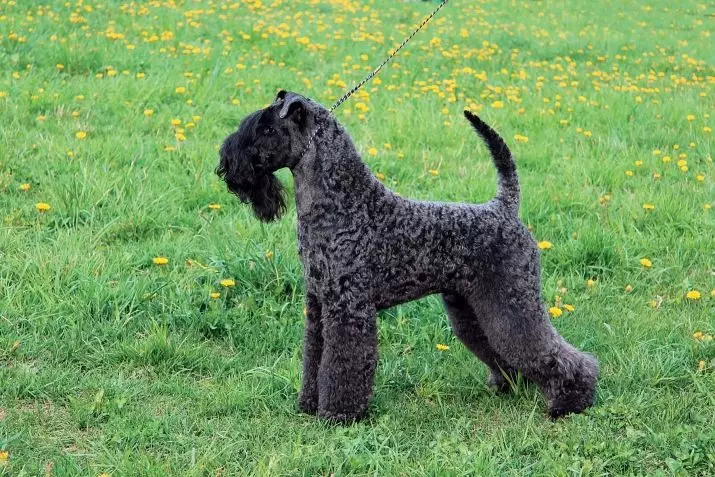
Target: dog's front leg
x: 312, y: 351
x: 347, y: 366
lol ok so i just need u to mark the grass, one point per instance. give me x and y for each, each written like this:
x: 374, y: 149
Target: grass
x: 112, y: 364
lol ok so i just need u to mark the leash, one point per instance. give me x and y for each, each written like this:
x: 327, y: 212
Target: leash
x: 374, y: 73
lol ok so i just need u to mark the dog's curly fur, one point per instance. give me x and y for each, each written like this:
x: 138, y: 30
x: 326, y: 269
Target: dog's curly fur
x: 364, y: 249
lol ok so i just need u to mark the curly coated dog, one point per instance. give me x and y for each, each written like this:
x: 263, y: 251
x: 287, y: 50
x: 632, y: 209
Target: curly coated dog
x: 364, y: 249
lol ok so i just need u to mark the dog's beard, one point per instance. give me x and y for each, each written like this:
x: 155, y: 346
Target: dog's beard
x: 266, y: 196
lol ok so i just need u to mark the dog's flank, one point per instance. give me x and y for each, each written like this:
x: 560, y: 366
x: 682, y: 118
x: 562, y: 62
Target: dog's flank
x: 365, y: 248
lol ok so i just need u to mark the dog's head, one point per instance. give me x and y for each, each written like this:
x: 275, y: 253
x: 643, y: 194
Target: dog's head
x: 267, y: 140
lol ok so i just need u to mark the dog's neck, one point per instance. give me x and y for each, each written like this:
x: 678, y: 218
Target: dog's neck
x: 331, y: 174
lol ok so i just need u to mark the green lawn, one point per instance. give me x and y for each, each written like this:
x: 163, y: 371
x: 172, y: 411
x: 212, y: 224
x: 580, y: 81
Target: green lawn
x: 111, y: 113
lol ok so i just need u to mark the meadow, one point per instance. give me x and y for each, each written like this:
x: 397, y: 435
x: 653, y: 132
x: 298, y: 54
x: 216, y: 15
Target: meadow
x: 149, y: 325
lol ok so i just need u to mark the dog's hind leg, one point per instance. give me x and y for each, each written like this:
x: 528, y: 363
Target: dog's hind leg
x: 520, y: 331
x: 312, y: 351
x: 349, y: 357
x: 465, y: 324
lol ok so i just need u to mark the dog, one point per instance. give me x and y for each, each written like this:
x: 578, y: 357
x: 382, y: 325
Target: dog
x: 364, y: 249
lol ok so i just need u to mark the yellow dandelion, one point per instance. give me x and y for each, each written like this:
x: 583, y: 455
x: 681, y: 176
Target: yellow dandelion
x: 441, y: 347
x: 180, y: 90
x: 148, y: 113
x: 60, y: 66
x: 380, y: 176
x: 707, y: 130
x: 693, y: 295
x: 268, y: 254
x: 629, y: 173
x: 160, y: 260
x: 701, y: 365
x: 42, y: 207
x: 545, y: 245
x: 80, y: 135
x: 175, y: 122
x: 590, y: 283
x: 666, y: 159
x: 180, y: 137
x: 372, y: 151
x: 568, y: 307
x: 215, y: 295
x: 698, y: 336
x: 648, y: 207
x: 24, y: 187
x: 638, y: 163
x: 646, y: 263
x: 555, y: 312
x: 690, y: 117
x: 498, y: 104
x: 227, y: 283
x: 214, y: 206
x: 700, y: 178
x: 628, y: 289
x: 656, y: 152
x: 433, y: 172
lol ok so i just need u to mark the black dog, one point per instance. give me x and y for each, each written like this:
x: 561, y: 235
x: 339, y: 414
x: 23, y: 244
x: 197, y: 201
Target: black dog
x: 364, y: 249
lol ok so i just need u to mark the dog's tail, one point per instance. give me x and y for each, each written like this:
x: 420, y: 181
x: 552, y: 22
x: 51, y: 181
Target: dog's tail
x: 508, y: 191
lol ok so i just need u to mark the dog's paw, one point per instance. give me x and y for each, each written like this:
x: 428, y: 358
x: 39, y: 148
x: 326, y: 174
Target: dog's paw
x: 308, y: 404
x: 340, y: 417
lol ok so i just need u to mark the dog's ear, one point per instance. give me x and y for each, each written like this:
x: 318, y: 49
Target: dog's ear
x: 292, y: 104
x: 281, y: 95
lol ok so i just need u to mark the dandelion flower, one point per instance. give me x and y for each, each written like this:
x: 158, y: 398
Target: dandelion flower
x: 648, y: 207
x: 700, y: 178
x: 441, y: 347
x: 215, y: 295
x: 42, y: 207
x: 269, y: 254
x: 628, y: 289
x: 175, y: 122
x: 590, y: 283
x: 180, y: 90
x: 433, y: 172
x: 24, y: 187
x: 80, y: 135
x: 629, y: 173
x: 568, y: 307
x: 690, y: 117
x: 666, y: 159
x: 148, y: 113
x: 646, y: 263
x: 380, y: 176
x: 160, y: 260
x: 498, y: 104
x: 545, y: 245
x: 693, y: 295
x: 701, y: 365
x: 227, y: 283
x: 555, y: 312
x: 372, y: 151
x: 214, y: 206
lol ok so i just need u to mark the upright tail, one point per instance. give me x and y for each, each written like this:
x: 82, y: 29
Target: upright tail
x: 508, y: 190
